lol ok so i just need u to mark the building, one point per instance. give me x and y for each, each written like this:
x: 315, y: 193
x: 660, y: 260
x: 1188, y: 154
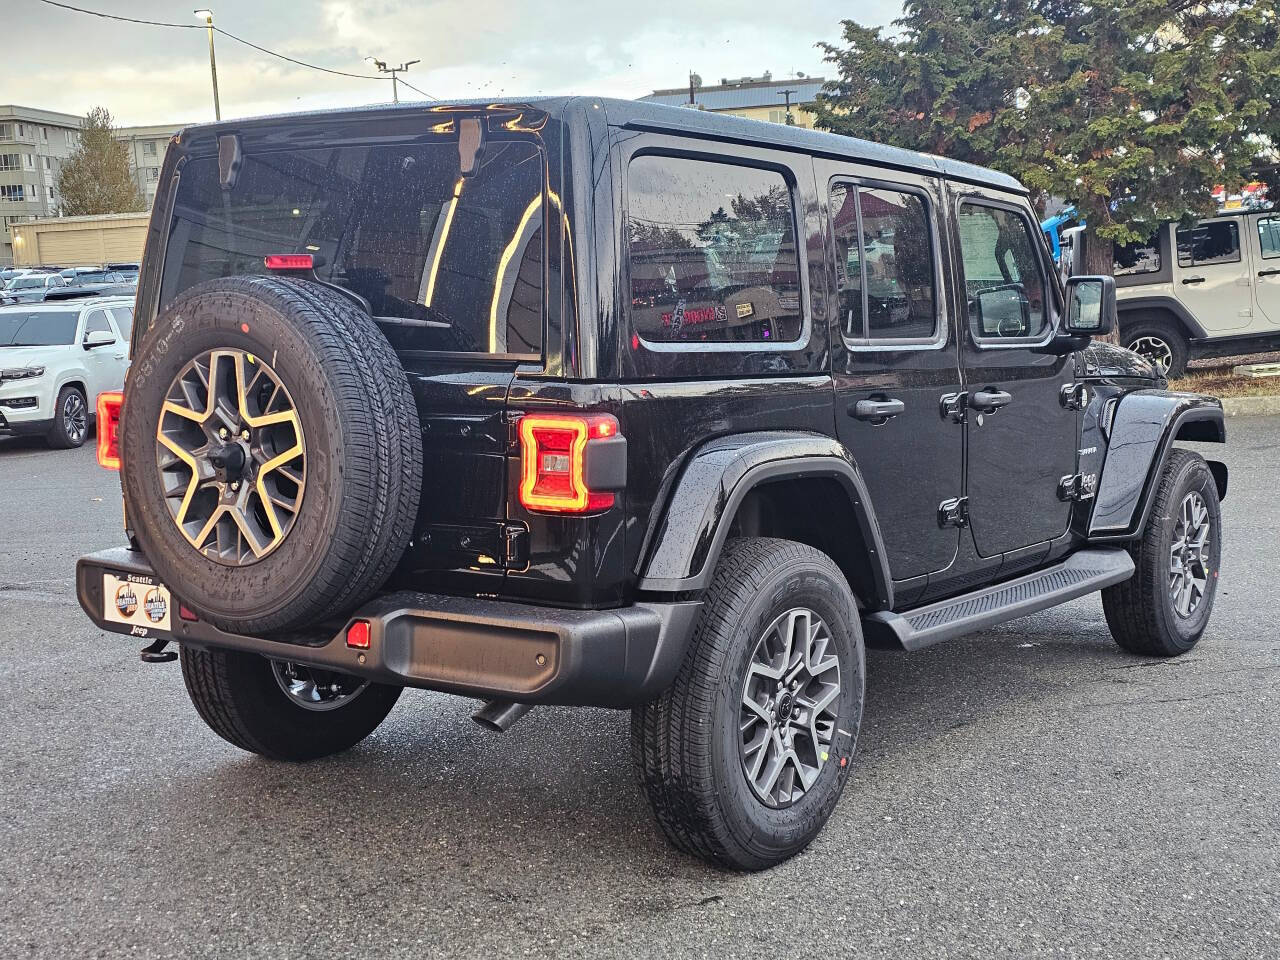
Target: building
x: 757, y: 98
x: 34, y: 144
x: 146, y: 147
x: 80, y: 241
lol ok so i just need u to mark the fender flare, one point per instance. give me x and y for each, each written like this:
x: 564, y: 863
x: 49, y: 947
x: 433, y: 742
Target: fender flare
x: 1190, y: 325
x: 684, y: 542
x: 1143, y: 428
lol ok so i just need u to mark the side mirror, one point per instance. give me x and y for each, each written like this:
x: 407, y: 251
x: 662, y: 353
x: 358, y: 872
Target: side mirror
x: 1091, y: 306
x: 98, y: 338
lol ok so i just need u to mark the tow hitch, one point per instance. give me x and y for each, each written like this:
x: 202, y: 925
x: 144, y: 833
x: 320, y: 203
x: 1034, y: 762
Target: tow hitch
x: 156, y: 652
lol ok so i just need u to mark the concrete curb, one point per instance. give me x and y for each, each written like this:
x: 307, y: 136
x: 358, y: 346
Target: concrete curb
x: 1251, y: 406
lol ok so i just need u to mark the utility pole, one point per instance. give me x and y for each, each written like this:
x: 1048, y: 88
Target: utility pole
x: 207, y: 17
x: 791, y: 120
x: 383, y: 68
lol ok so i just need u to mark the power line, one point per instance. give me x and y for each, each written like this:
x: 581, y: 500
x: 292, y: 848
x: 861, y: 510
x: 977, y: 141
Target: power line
x: 112, y: 16
x: 229, y: 36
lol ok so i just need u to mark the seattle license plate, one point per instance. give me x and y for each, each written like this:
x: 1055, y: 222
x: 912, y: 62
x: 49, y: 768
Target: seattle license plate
x: 136, y: 601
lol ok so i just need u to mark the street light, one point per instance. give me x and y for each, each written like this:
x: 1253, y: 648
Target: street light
x: 207, y: 17
x: 381, y: 67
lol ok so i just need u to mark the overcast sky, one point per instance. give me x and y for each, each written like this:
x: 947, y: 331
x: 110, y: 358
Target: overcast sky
x: 66, y: 61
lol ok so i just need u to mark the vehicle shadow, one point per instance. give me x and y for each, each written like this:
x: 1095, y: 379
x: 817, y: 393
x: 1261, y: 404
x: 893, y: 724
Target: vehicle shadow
x: 553, y: 805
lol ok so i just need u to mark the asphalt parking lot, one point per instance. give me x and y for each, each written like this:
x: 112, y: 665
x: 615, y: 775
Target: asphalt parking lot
x: 1026, y: 792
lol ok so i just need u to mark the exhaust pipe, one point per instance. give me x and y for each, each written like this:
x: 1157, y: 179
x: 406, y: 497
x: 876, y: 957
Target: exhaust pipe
x: 500, y: 715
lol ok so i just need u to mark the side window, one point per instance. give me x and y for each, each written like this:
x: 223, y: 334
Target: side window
x: 124, y: 320
x: 1269, y: 237
x: 97, y: 322
x: 1004, y: 284
x: 884, y: 263
x: 712, y: 253
x: 1217, y: 241
x: 1131, y: 259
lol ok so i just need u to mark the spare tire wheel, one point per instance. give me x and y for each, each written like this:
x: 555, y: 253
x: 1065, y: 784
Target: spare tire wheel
x: 272, y: 452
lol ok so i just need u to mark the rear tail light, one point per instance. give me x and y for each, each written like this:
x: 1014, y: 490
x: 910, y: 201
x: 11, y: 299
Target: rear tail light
x: 289, y: 261
x: 553, y: 459
x: 109, y: 405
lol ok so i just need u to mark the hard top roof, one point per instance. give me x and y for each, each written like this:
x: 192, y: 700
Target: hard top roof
x: 660, y: 117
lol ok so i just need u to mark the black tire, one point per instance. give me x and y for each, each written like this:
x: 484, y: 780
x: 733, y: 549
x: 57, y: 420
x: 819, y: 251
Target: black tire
x: 238, y: 696
x: 1141, y: 611
x: 687, y: 745
x: 363, y: 452
x: 63, y: 435
x: 1148, y: 334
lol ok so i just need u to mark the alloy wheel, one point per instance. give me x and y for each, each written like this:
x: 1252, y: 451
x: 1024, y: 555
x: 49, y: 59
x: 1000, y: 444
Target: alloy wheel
x: 75, y: 417
x: 232, y: 456
x: 1154, y: 349
x: 314, y: 689
x: 790, y: 701
x: 1189, y: 555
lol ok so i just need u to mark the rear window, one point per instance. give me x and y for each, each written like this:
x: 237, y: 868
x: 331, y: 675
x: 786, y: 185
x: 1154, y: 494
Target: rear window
x: 712, y: 253
x: 457, y: 261
x: 43, y: 328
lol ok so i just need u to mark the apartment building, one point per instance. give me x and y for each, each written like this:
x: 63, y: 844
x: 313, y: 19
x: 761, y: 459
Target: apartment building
x: 35, y: 143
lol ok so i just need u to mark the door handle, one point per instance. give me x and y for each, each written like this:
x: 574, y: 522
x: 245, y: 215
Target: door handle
x: 1194, y: 280
x: 989, y: 401
x: 877, y: 411
x: 1269, y: 273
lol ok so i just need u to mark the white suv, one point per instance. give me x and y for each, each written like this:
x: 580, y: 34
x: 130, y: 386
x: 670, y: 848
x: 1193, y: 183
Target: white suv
x: 55, y: 358
x: 1210, y: 290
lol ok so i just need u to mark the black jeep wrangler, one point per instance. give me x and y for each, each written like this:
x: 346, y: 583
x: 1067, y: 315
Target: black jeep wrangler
x: 581, y: 401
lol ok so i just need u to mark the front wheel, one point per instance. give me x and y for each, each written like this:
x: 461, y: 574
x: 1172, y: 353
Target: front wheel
x: 744, y: 757
x: 1163, y: 609
x: 70, y: 419
x: 285, y: 711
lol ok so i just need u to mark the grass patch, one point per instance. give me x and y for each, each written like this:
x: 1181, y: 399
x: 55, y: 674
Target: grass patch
x: 1223, y: 383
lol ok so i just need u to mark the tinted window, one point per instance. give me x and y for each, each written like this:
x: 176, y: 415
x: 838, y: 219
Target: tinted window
x: 712, y: 253
x: 1003, y: 281
x: 96, y: 322
x: 885, y: 269
x: 1135, y: 258
x: 20, y: 328
x: 1269, y: 237
x: 26, y: 283
x: 1208, y: 243
x: 124, y: 320
x: 460, y: 257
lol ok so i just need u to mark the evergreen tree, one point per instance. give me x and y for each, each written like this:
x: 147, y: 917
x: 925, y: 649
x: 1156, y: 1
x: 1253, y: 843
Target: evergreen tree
x: 1132, y: 110
x: 96, y: 179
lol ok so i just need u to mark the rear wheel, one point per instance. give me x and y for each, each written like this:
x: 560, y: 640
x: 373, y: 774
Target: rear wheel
x: 744, y: 757
x: 1164, y: 608
x: 285, y: 711
x: 70, y: 419
x: 1160, y: 342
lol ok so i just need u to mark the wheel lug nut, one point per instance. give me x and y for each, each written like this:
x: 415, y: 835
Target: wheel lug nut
x: 222, y: 432
x: 235, y: 485
x: 244, y: 435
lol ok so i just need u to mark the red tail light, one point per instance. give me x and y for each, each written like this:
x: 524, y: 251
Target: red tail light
x: 289, y: 261
x: 109, y: 405
x: 553, y: 454
x: 358, y: 634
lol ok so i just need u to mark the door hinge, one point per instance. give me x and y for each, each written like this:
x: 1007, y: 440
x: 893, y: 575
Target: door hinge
x: 1074, y: 396
x: 951, y: 406
x: 1080, y: 486
x: 954, y: 512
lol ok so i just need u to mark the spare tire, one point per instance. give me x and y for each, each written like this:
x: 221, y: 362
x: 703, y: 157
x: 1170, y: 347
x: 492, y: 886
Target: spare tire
x: 272, y: 453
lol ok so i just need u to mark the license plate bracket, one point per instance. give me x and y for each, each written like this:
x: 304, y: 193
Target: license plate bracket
x: 142, y: 604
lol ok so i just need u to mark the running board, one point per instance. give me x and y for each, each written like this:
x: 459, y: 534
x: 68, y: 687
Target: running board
x: 1083, y: 572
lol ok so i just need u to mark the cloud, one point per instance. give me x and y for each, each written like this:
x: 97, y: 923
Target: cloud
x: 468, y: 48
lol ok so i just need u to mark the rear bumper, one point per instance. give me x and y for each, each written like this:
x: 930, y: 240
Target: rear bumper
x: 473, y: 647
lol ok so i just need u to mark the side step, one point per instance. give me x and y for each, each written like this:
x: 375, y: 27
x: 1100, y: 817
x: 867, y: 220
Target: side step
x: 1083, y: 572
